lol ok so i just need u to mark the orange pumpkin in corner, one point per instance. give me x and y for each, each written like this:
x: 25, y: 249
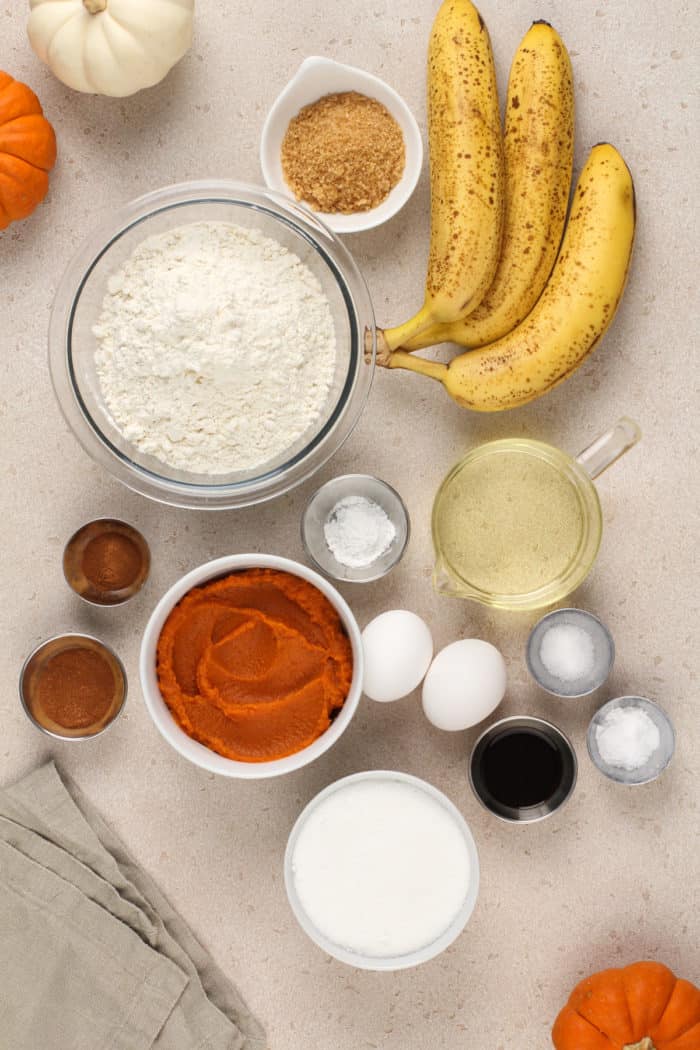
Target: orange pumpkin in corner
x: 27, y: 151
x: 640, y: 1007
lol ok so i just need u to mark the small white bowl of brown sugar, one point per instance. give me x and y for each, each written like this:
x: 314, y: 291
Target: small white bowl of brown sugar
x: 344, y: 143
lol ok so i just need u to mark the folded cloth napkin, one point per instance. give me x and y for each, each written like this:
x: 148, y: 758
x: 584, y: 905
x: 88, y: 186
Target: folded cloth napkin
x: 92, y: 956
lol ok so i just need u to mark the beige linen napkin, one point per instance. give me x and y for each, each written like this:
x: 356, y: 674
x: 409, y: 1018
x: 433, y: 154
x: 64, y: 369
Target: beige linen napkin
x: 92, y: 956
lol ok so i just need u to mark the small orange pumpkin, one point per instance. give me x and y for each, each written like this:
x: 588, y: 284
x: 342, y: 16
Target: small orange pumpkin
x: 27, y: 151
x: 640, y: 1007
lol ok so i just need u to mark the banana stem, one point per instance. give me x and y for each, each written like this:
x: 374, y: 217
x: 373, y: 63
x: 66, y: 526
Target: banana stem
x: 393, y: 338
x: 433, y: 369
x: 436, y: 333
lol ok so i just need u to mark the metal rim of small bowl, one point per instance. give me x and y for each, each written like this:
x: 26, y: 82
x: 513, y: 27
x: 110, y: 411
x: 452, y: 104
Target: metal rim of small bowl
x: 531, y: 720
x: 108, y: 605
x: 82, y: 637
x: 612, y: 705
x: 552, y: 615
x: 400, y: 550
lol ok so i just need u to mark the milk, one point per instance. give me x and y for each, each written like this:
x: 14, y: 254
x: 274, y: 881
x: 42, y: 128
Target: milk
x: 381, y: 868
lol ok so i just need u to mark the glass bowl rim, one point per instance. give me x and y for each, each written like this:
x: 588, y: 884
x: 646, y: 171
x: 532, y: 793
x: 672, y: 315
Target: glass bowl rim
x: 542, y: 596
x: 615, y: 702
x: 372, y: 576
x: 552, y: 615
x: 356, y: 386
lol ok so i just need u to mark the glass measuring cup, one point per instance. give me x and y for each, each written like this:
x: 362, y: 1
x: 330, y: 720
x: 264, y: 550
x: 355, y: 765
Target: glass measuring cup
x: 517, y: 523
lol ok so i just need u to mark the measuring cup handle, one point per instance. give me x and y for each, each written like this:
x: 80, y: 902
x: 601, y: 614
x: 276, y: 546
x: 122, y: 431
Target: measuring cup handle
x: 609, y: 447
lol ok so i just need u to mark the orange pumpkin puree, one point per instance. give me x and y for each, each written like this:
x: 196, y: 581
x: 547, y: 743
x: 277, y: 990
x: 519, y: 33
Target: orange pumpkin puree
x: 254, y: 665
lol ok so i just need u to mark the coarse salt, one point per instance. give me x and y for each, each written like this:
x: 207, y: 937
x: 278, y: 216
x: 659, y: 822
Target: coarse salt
x: 627, y: 738
x: 358, y: 531
x: 568, y: 653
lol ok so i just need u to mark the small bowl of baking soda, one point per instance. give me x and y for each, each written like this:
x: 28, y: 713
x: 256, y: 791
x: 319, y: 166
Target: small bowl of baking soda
x: 355, y: 528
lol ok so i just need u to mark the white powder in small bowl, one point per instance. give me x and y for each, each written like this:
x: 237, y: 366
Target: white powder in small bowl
x: 627, y: 738
x: 567, y: 652
x: 358, y: 531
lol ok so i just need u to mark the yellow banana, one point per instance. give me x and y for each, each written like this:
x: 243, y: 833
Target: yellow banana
x: 573, y: 312
x: 466, y: 171
x: 539, y: 152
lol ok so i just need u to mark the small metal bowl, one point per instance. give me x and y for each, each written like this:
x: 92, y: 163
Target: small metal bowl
x: 524, y: 814
x: 319, y: 509
x: 38, y: 659
x: 656, y: 764
x: 603, y: 648
x: 78, y: 547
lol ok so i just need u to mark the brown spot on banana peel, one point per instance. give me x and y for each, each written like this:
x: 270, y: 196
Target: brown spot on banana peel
x: 464, y: 125
x: 536, y: 208
x: 557, y: 336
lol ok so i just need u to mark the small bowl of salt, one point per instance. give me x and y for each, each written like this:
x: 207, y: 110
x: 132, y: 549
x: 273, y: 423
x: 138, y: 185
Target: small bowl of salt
x: 355, y: 528
x: 631, y: 740
x: 570, y: 653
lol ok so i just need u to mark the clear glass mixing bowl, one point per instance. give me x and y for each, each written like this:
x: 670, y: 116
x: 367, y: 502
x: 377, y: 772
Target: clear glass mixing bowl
x: 77, y: 307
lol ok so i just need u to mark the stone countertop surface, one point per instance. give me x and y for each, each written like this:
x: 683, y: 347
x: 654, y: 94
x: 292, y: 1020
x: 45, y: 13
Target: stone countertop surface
x: 614, y: 876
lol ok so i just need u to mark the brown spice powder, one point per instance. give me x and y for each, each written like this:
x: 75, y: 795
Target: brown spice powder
x: 111, y: 561
x: 75, y: 688
x: 343, y: 153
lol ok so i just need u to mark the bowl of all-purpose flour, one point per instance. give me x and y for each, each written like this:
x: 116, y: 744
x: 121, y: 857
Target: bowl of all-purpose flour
x: 207, y: 345
x: 382, y: 871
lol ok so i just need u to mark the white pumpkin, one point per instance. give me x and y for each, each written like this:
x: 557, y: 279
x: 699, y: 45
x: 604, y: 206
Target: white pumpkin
x: 110, y: 47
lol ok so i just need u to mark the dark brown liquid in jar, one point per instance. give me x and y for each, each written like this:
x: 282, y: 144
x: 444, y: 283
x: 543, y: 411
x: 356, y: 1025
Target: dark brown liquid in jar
x: 521, y: 768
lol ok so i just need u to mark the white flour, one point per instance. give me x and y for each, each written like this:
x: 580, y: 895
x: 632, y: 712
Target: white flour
x: 216, y: 348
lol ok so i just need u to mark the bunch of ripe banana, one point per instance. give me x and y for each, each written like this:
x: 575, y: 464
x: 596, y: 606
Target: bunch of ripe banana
x: 500, y: 276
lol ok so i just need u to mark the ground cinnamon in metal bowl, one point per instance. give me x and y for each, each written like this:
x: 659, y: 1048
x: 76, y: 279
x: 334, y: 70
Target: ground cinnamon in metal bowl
x: 72, y: 686
x: 343, y: 153
x: 106, y: 561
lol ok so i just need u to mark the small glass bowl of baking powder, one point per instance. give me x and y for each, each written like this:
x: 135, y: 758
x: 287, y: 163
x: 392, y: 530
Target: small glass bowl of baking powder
x: 355, y: 528
x: 631, y: 740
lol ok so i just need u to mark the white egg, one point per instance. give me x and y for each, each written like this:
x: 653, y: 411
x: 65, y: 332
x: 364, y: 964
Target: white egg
x: 398, y: 648
x: 465, y: 683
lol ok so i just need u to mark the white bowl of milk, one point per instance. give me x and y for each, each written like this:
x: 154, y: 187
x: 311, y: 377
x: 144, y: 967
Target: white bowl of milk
x: 382, y: 871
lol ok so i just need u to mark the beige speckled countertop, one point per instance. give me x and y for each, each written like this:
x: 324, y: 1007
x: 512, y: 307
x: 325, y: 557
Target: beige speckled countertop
x: 614, y: 876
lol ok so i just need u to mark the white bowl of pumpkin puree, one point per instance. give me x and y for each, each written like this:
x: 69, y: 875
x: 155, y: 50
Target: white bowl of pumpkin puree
x: 251, y: 666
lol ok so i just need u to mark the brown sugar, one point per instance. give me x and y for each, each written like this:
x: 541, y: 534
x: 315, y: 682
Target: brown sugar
x: 343, y: 153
